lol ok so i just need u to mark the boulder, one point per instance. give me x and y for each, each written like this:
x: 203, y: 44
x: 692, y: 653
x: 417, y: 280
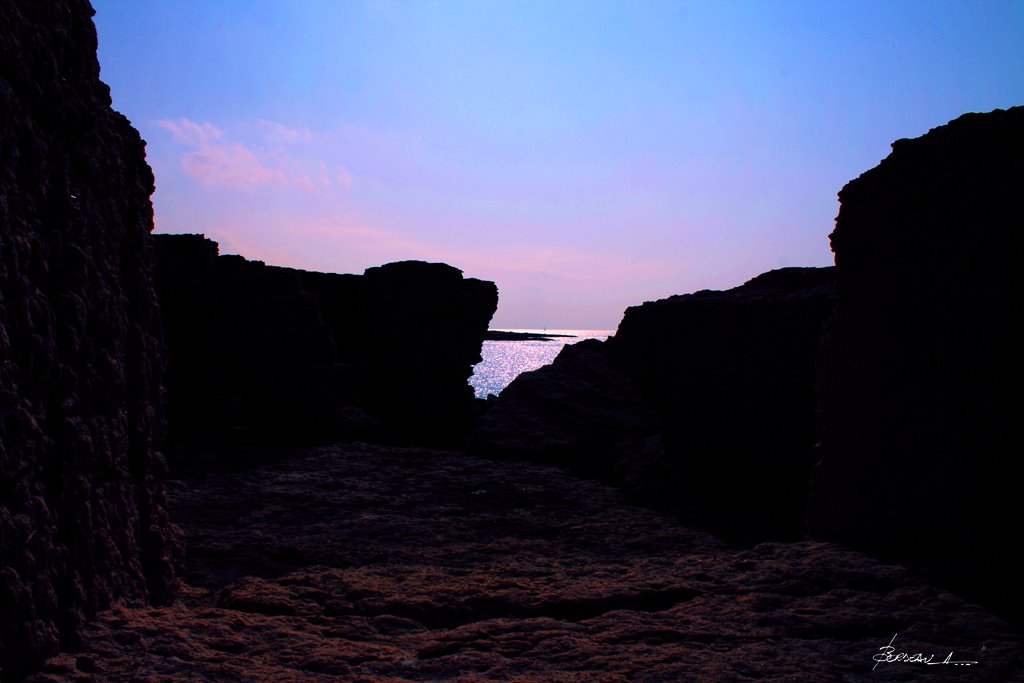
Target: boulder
x: 83, y: 521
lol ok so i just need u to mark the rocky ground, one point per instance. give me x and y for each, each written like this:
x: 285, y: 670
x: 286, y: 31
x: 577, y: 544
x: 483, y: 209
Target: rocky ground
x: 368, y: 563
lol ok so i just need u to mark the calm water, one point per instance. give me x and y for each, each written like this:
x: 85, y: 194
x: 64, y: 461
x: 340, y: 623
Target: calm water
x: 504, y: 360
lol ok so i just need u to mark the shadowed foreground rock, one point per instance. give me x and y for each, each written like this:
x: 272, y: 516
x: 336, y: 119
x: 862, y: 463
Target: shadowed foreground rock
x: 701, y: 403
x: 257, y: 348
x: 360, y: 563
x: 578, y: 412
x: 922, y: 365
x: 82, y: 506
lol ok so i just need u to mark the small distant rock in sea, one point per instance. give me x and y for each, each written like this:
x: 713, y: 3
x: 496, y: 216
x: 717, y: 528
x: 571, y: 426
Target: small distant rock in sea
x: 502, y: 335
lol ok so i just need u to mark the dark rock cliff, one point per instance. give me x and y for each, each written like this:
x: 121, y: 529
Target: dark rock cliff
x: 703, y: 403
x: 265, y: 349
x: 82, y: 505
x: 732, y: 376
x: 921, y: 362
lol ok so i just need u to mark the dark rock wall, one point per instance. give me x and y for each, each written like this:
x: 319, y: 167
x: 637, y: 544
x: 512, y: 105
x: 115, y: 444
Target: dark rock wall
x: 248, y: 346
x: 82, y: 507
x: 732, y: 376
x: 262, y: 349
x: 921, y: 363
x: 702, y: 403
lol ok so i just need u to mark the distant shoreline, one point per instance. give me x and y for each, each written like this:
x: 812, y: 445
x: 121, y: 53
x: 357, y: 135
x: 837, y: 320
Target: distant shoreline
x: 501, y: 335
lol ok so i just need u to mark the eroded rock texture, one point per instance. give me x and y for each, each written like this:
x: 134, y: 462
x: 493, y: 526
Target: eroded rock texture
x: 921, y: 363
x: 290, y: 352
x: 82, y: 504
x: 703, y: 403
x: 369, y: 563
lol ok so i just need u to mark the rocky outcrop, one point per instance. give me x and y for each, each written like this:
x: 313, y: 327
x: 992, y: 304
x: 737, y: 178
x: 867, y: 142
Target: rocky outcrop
x: 419, y: 331
x: 703, y: 403
x: 921, y: 362
x: 579, y: 412
x: 732, y: 376
x: 258, y: 348
x: 82, y: 504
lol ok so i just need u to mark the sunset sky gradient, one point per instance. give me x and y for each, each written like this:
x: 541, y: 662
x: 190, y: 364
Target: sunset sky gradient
x: 586, y: 156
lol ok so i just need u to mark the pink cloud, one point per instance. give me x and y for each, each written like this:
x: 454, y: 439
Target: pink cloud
x: 232, y: 166
x: 216, y: 161
x: 280, y: 133
x: 190, y: 133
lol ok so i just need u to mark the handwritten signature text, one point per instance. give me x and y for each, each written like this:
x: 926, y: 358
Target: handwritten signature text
x: 887, y: 655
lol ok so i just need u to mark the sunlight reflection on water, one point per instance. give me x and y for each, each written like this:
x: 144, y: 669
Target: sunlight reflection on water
x: 503, y: 361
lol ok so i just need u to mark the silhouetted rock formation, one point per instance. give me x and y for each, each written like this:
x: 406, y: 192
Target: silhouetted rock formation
x: 578, y: 412
x: 732, y: 376
x: 920, y: 365
x: 702, y: 402
x: 420, y: 328
x: 268, y: 349
x: 82, y: 505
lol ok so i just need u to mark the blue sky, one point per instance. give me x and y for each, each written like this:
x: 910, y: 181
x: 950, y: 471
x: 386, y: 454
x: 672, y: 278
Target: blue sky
x: 586, y: 156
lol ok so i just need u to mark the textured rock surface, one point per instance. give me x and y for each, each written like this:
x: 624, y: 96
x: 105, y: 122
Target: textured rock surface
x: 921, y: 363
x: 358, y: 563
x: 262, y: 348
x: 82, y: 506
x: 703, y: 403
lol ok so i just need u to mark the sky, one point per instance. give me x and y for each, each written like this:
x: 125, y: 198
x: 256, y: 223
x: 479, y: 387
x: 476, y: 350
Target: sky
x: 585, y: 156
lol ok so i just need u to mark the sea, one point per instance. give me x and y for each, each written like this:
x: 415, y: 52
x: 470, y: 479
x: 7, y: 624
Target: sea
x: 503, y: 361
